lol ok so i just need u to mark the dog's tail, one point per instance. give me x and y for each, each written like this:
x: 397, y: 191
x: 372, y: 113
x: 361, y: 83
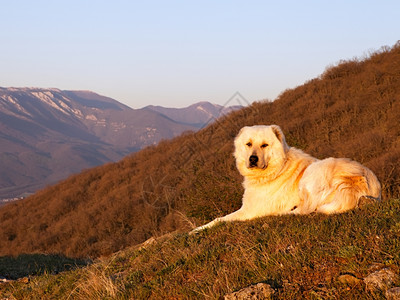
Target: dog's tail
x: 373, y: 187
x: 350, y: 188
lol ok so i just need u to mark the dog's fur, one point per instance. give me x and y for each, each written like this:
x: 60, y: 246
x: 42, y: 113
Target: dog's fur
x: 279, y: 179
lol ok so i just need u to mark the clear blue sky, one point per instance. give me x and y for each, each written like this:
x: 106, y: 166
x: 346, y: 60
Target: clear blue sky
x: 174, y: 53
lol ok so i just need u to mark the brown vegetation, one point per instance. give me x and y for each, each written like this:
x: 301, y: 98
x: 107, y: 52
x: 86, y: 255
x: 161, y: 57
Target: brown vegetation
x: 354, y: 255
x: 352, y: 110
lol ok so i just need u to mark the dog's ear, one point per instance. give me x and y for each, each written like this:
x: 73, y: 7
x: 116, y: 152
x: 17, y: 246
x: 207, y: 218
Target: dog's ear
x: 281, y: 137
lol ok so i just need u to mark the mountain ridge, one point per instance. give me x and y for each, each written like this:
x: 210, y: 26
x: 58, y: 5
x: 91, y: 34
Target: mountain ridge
x: 204, y: 112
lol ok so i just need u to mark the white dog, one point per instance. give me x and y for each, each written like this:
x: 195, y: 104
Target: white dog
x: 279, y: 179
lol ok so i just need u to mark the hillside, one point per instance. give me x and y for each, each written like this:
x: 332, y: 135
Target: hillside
x: 299, y: 257
x: 48, y: 134
x: 352, y: 111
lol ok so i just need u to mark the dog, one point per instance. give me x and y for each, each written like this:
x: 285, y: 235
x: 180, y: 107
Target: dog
x: 279, y: 179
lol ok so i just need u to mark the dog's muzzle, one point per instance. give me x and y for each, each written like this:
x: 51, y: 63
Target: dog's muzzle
x: 253, y: 160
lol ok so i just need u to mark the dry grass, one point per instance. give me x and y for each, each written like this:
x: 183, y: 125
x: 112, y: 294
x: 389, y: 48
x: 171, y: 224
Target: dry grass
x: 301, y: 257
x: 95, y: 284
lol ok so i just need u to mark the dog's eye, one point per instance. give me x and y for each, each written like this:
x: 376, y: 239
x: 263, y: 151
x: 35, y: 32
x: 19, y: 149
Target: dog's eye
x: 249, y: 144
x: 264, y: 145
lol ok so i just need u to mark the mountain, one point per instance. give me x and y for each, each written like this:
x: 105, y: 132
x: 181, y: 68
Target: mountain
x: 48, y: 134
x: 352, y: 110
x: 196, y: 114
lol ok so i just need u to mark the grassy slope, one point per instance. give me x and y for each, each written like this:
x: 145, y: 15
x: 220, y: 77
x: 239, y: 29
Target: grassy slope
x: 299, y: 256
x: 352, y: 110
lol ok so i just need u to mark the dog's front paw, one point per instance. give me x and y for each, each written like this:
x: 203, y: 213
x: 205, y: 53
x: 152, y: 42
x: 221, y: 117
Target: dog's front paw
x: 197, y: 230
x: 208, y: 225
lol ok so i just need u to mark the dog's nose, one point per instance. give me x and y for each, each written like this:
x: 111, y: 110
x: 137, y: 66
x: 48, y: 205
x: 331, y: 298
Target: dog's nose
x: 253, y: 160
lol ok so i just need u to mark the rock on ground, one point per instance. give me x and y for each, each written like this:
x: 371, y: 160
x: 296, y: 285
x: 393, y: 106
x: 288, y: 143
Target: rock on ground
x: 349, y: 279
x: 253, y: 292
x: 380, y: 280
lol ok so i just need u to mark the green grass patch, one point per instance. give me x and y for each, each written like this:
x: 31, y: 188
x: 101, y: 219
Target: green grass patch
x: 35, y: 264
x: 299, y: 256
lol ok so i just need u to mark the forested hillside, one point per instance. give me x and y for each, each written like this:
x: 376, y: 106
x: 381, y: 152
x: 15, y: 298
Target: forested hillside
x: 352, y: 110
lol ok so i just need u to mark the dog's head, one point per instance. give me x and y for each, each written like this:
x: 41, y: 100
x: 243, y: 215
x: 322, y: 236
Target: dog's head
x: 260, y: 149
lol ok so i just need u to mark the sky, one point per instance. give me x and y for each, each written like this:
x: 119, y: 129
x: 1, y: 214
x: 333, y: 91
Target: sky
x: 175, y: 53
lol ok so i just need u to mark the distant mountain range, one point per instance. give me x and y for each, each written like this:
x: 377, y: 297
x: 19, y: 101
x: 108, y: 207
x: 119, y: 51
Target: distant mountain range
x: 196, y: 115
x: 48, y: 134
